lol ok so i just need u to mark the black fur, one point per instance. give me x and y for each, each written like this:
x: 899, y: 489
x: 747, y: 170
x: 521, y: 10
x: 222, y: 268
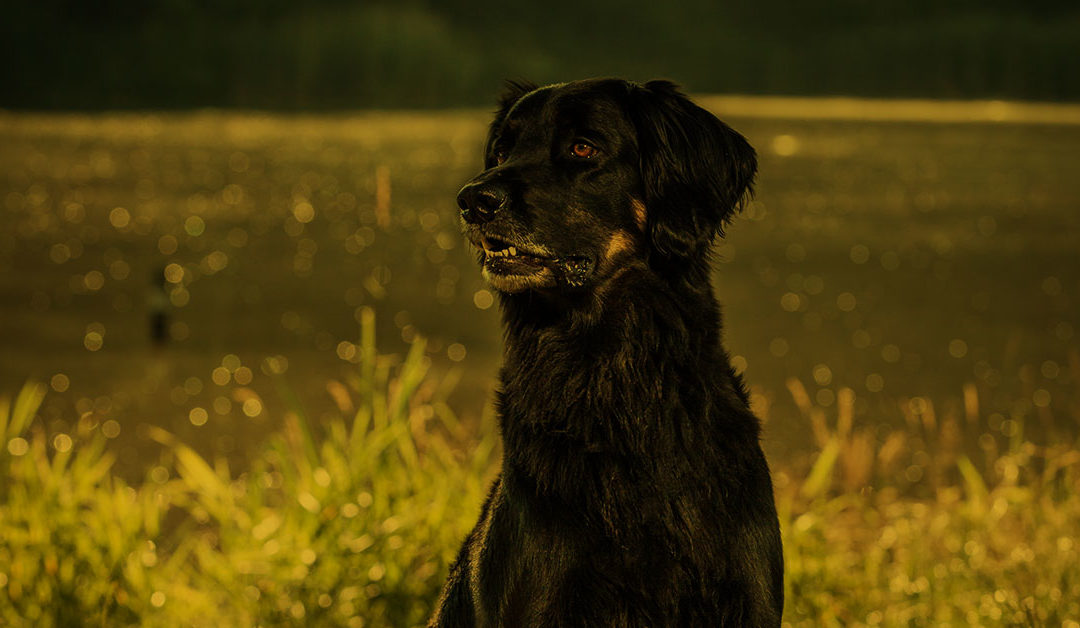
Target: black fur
x: 633, y: 491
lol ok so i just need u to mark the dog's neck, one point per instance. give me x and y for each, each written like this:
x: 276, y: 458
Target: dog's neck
x: 626, y: 378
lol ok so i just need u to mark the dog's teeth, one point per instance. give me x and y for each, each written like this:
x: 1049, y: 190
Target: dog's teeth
x: 510, y: 251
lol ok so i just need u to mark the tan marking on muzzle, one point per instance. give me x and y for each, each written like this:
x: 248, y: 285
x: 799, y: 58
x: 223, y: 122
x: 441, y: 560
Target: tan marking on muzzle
x: 639, y: 213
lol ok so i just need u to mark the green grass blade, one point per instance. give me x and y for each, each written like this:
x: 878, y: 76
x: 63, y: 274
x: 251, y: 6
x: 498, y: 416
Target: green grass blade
x: 26, y: 405
x: 973, y: 483
x: 817, y: 482
x: 212, y: 492
x: 5, y: 412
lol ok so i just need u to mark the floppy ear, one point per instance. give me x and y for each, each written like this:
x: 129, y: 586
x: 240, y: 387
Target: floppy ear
x: 512, y: 92
x: 695, y: 169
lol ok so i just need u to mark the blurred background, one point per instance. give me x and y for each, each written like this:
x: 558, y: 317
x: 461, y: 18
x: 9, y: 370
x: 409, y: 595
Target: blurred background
x: 203, y: 203
x: 333, y: 54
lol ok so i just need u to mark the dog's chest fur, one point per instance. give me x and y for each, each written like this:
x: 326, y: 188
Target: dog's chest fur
x: 603, y: 505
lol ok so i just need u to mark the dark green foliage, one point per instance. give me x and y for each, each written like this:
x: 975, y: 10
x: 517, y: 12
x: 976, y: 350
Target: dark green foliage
x: 329, y: 54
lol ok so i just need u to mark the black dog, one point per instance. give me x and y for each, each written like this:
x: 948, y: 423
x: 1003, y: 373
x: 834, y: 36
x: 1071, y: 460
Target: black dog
x: 633, y: 490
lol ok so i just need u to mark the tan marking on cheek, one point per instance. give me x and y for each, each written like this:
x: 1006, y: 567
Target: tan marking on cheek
x: 620, y: 241
x: 640, y: 213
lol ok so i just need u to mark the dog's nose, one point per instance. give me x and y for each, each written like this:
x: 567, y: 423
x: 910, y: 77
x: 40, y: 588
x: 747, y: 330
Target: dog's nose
x: 480, y: 201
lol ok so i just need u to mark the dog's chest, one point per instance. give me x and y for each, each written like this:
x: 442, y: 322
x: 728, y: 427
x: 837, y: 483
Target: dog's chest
x: 538, y: 560
x: 519, y: 563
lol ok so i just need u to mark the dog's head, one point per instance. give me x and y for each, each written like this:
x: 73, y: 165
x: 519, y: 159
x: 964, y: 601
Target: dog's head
x: 586, y: 177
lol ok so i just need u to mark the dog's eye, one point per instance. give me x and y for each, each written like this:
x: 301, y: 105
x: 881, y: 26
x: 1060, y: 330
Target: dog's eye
x: 583, y: 150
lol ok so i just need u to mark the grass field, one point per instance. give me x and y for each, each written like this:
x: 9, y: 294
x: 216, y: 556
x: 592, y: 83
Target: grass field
x: 902, y: 296
x: 900, y: 259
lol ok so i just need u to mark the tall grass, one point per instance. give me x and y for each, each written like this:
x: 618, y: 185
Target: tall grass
x: 913, y: 529
x: 355, y: 524
x: 76, y: 544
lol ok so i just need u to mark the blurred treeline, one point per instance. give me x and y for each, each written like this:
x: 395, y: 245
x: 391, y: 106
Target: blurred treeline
x: 324, y: 54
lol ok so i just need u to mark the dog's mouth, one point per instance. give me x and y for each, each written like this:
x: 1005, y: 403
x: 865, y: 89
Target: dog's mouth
x: 508, y: 258
x: 513, y: 267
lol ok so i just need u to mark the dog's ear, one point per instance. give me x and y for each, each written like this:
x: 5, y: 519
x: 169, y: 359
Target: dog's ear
x: 512, y: 92
x: 696, y: 171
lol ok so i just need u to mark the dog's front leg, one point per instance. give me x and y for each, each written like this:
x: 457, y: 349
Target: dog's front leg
x: 455, y: 607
